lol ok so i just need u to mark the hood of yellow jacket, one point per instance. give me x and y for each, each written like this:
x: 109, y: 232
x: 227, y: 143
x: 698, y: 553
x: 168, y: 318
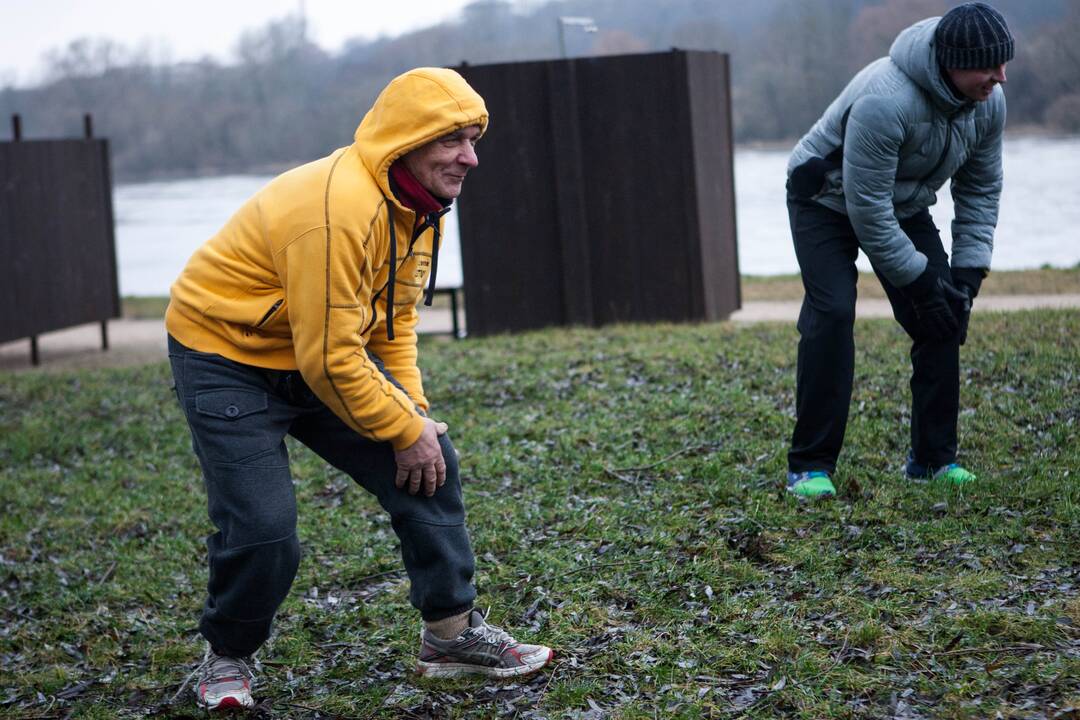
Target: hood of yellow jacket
x: 417, y: 107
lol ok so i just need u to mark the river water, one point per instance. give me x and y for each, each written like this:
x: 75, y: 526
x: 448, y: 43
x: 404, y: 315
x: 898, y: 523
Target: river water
x: 159, y: 224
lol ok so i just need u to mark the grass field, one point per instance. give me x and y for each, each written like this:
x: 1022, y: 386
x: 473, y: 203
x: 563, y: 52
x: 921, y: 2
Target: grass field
x: 626, y: 507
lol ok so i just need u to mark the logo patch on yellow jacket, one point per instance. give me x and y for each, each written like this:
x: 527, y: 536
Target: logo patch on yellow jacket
x: 422, y: 265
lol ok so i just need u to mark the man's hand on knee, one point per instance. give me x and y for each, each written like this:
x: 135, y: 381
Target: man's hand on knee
x: 934, y: 300
x: 421, y: 464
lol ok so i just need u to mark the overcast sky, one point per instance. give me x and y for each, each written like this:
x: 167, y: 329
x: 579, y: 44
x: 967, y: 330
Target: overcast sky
x: 192, y: 28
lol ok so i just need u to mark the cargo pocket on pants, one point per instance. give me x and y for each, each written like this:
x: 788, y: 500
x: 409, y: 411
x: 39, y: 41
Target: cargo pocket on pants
x: 233, y: 425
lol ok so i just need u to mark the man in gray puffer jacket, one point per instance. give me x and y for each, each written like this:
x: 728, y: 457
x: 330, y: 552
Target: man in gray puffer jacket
x: 863, y: 177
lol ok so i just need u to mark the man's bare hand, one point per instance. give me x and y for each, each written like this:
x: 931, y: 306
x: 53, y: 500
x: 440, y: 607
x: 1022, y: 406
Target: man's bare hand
x: 422, y: 464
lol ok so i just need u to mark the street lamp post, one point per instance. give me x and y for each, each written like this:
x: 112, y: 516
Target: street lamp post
x: 587, y: 24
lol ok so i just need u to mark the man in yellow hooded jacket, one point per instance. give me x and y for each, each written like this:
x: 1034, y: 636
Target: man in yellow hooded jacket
x: 298, y: 318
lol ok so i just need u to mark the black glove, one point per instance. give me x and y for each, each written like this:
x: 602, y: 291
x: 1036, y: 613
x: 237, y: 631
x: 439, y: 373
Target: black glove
x: 808, y: 179
x: 967, y: 281
x: 963, y: 316
x: 933, y: 299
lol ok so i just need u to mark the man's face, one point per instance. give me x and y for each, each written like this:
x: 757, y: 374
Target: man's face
x: 442, y: 164
x: 977, y: 84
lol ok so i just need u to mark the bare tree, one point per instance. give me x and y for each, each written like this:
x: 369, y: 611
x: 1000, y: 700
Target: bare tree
x: 876, y: 26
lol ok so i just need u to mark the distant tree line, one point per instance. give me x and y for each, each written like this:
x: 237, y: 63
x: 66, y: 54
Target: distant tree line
x: 283, y: 99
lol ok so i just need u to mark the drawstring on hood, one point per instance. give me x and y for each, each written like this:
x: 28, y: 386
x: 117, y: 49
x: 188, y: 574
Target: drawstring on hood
x: 429, y: 211
x: 393, y: 273
x: 432, y: 220
x: 434, y: 255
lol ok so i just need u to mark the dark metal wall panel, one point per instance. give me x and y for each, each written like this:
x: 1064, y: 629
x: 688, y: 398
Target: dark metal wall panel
x: 572, y: 214
x: 593, y: 201
x: 511, y: 262
x: 108, y: 239
x: 56, y: 236
x: 635, y: 129
x: 708, y: 76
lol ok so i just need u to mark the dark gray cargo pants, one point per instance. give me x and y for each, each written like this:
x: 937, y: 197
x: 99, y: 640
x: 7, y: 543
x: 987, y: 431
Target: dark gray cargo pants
x: 239, y: 416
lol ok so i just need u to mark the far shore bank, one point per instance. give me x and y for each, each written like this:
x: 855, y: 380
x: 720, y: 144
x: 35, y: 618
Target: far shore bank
x: 1022, y: 132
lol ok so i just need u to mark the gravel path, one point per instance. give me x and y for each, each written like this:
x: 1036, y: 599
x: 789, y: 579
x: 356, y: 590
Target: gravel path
x: 136, y: 342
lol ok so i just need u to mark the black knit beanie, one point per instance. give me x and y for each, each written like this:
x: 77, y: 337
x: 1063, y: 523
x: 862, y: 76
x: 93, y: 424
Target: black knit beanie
x: 972, y: 35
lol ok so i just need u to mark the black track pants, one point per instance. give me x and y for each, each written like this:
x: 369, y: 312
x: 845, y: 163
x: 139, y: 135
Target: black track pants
x: 826, y: 247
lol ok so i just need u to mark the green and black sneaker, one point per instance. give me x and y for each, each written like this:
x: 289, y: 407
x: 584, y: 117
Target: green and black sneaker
x: 810, y: 485
x: 953, y: 473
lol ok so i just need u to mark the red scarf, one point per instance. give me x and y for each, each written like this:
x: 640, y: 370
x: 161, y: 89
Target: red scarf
x: 411, y: 193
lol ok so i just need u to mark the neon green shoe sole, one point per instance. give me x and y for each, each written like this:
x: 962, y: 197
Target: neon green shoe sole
x: 810, y: 485
x: 954, y: 475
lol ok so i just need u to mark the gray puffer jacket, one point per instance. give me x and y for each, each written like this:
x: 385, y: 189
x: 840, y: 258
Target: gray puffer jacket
x: 906, y: 134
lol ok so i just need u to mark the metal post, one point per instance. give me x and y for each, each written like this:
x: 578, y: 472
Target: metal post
x: 88, y: 133
x: 453, y: 313
x: 16, y: 135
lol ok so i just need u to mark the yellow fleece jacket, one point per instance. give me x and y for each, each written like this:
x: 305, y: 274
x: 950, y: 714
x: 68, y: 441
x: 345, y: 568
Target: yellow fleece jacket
x: 296, y: 279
